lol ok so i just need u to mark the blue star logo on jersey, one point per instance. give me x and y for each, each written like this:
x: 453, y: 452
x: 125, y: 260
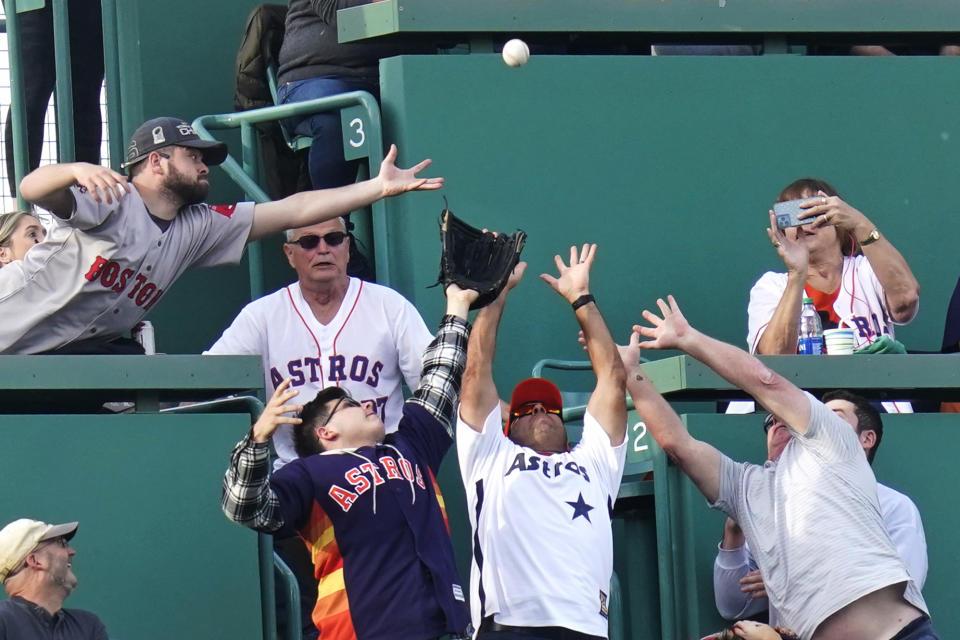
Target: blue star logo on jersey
x: 580, y: 508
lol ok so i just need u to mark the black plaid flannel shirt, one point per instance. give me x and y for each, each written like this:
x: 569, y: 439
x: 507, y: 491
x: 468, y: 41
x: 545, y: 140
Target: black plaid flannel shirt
x: 247, y: 496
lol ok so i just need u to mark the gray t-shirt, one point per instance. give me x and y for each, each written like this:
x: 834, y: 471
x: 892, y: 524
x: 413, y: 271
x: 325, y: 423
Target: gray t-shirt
x: 813, y: 523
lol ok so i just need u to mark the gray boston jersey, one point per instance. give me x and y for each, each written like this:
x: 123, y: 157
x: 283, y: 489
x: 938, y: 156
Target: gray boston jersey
x: 99, y: 272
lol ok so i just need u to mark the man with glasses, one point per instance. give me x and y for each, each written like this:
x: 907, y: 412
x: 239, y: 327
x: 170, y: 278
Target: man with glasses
x: 541, y: 510
x: 117, y: 244
x: 737, y: 582
x: 366, y: 503
x: 328, y: 329
x: 36, y: 569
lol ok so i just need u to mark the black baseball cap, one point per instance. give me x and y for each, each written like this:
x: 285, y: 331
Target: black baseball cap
x: 164, y: 132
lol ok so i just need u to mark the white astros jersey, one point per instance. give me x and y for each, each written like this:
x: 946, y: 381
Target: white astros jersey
x: 374, y: 343
x: 542, y: 544
x: 100, y: 271
x: 861, y: 303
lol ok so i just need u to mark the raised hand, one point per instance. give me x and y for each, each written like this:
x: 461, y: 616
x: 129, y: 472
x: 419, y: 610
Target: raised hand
x: 668, y: 331
x: 102, y: 183
x: 574, y: 279
x: 395, y: 181
x: 459, y: 300
x: 273, y: 414
x: 515, y: 276
x: 835, y: 212
x: 791, y: 246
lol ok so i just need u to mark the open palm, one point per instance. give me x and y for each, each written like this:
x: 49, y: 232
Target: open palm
x: 396, y: 180
x: 668, y: 330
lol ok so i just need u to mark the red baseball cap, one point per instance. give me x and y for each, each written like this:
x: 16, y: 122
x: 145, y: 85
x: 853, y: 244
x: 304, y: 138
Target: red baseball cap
x: 534, y: 390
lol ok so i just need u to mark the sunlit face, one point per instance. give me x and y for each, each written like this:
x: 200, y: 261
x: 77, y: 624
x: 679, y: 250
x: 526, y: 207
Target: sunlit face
x: 325, y: 263
x: 58, y: 558
x: 539, y: 429
x: 778, y: 435
x: 186, y: 176
x: 28, y: 233
x: 354, y: 424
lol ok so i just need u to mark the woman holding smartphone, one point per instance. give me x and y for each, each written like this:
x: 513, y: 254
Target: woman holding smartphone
x: 841, y: 260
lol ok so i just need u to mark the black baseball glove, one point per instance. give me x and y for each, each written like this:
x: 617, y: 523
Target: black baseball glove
x: 476, y: 260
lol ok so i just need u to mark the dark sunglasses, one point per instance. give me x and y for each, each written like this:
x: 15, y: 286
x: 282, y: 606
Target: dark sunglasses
x: 346, y: 401
x: 768, y: 422
x: 528, y: 408
x: 312, y: 241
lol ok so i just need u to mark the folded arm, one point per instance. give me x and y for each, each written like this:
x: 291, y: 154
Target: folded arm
x: 48, y: 187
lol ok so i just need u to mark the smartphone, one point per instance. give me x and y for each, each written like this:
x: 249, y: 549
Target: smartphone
x: 786, y: 213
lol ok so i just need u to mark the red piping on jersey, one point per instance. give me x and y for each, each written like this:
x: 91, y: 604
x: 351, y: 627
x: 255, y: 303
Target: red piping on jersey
x: 347, y: 319
x: 307, y: 327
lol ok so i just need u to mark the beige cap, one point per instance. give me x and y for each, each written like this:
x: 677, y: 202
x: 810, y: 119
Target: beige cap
x: 20, y: 537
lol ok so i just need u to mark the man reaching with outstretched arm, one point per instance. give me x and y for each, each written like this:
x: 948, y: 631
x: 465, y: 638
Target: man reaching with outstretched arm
x: 813, y: 511
x: 118, y: 243
x: 537, y: 507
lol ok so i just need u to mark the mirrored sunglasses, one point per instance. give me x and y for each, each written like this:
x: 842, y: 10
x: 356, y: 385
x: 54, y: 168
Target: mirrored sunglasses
x: 312, y: 241
x: 530, y: 407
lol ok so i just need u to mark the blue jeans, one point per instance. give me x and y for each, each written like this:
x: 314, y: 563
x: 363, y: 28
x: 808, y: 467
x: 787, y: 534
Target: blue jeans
x: 919, y: 629
x: 326, y: 164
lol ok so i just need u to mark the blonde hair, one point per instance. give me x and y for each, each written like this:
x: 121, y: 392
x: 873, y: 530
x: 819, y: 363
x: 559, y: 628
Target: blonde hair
x: 8, y: 224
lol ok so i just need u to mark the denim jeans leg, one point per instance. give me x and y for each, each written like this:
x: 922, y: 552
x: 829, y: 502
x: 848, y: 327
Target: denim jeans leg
x: 327, y: 165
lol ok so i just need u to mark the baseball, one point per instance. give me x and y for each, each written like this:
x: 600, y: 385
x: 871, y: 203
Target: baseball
x: 516, y: 52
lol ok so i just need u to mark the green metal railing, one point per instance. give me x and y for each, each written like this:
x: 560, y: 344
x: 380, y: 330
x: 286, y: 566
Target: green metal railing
x: 244, y: 173
x: 268, y: 561
x: 18, y: 115
x: 111, y: 76
x: 66, y: 136
x: 61, y: 48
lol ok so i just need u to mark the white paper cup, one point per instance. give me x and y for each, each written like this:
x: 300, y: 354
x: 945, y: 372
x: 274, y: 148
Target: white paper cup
x: 839, y: 342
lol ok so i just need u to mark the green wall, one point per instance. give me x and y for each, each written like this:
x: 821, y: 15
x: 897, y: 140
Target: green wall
x: 156, y: 559
x: 670, y: 164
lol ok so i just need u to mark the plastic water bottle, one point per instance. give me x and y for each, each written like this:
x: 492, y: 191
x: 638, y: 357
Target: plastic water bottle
x: 810, y: 342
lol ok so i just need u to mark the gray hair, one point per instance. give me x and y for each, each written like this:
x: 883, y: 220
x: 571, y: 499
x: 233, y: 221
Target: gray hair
x: 288, y: 234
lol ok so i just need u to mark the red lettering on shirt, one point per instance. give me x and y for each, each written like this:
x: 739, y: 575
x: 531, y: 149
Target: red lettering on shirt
x: 358, y: 480
x: 388, y: 463
x: 95, y: 269
x: 223, y: 209
x: 372, y: 470
x: 342, y: 497
x: 420, y: 478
